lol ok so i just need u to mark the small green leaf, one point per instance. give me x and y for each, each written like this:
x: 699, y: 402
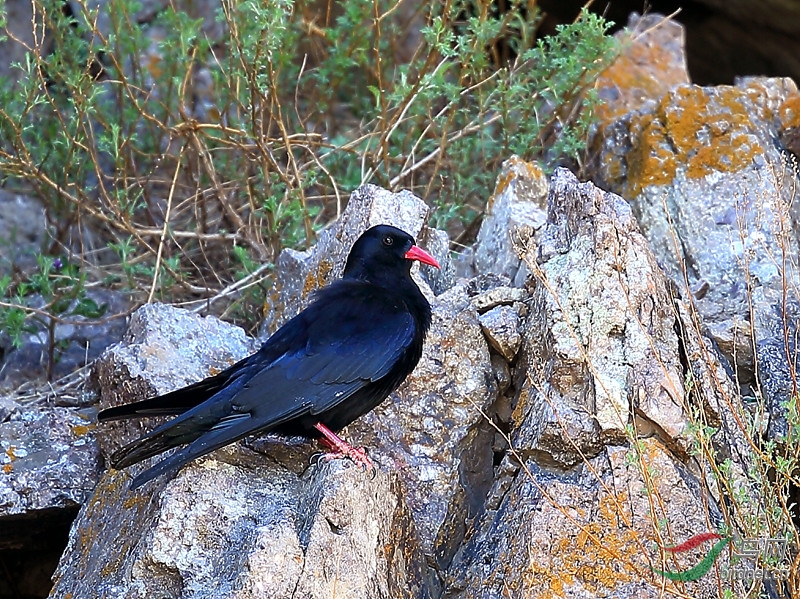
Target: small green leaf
x: 89, y: 308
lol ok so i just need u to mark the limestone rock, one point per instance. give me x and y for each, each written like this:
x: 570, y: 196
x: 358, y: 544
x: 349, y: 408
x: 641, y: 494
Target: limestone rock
x: 501, y: 325
x: 517, y: 202
x: 652, y: 62
x: 716, y: 197
x: 49, y: 459
x: 427, y: 432
x: 599, y: 348
x: 164, y: 348
x: 713, y: 194
x: 245, y: 531
x: 586, y: 533
x: 49, y: 465
x: 431, y: 431
x: 498, y: 296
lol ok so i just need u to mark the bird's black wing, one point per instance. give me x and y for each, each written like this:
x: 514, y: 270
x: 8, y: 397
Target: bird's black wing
x: 351, y: 336
x: 175, y: 402
x: 179, y: 401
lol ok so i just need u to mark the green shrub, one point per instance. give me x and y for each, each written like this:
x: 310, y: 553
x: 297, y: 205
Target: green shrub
x: 188, y: 157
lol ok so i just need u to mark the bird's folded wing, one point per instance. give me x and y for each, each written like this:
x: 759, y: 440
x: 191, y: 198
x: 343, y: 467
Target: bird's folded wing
x: 332, y: 364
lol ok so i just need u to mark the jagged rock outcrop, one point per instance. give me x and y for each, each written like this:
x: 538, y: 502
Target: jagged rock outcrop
x: 600, y: 406
x: 242, y: 527
x: 715, y: 193
x: 430, y: 437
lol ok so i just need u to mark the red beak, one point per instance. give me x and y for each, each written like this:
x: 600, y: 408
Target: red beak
x: 415, y: 253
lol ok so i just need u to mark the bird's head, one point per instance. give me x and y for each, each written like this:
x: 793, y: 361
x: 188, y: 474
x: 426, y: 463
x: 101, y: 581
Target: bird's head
x: 382, y: 252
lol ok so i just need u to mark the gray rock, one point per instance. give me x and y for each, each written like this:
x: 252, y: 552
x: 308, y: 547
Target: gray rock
x: 776, y: 322
x: 599, y: 346
x: 651, y: 62
x: 464, y: 263
x: 498, y: 296
x: 714, y: 390
x: 501, y: 325
x: 49, y: 459
x: 427, y: 431
x: 587, y: 533
x: 23, y: 227
x: 49, y: 465
x: 437, y: 243
x: 502, y: 374
x: 518, y: 202
x: 715, y: 195
x: 571, y: 510
x: 164, y: 348
x: 245, y: 530
x: 431, y: 430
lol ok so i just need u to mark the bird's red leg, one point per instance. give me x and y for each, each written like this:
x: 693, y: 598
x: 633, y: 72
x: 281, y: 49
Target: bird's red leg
x: 341, y: 448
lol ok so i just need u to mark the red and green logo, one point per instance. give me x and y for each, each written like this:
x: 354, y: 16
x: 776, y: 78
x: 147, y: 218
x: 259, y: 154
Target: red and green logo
x: 704, y: 565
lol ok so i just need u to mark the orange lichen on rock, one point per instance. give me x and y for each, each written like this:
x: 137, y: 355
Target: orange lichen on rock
x: 699, y: 130
x: 649, y: 66
x: 80, y: 430
x: 513, y: 168
x: 789, y: 112
x: 317, y: 278
x: 599, y: 556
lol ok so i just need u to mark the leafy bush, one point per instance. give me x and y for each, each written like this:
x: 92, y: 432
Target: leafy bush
x: 172, y: 162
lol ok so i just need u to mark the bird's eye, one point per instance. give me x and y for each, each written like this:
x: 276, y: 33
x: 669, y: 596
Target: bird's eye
x: 388, y: 240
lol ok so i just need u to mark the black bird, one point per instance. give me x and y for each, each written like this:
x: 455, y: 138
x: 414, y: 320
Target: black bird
x: 335, y: 361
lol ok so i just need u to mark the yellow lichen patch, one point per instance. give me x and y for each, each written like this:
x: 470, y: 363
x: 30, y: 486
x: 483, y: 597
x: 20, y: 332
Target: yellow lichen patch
x: 503, y: 181
x: 517, y: 166
x: 695, y: 129
x: 514, y: 168
x: 521, y: 409
x: 646, y: 69
x: 134, y: 501
x: 317, y: 277
x: 789, y: 112
x: 599, y: 556
x: 10, y: 452
x: 8, y: 468
x: 80, y: 430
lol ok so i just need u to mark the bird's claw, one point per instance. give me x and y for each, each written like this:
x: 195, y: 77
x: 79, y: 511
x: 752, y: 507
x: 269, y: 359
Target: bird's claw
x: 342, y: 448
x: 358, y: 456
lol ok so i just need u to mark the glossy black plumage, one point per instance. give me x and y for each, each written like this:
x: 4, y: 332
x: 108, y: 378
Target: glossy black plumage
x: 335, y: 361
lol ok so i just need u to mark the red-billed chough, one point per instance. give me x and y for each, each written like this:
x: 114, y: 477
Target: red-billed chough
x: 335, y: 361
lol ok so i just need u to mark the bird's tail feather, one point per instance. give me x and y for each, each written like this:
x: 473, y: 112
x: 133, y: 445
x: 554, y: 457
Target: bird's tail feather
x: 200, y: 446
x: 141, y: 449
x: 170, y: 404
